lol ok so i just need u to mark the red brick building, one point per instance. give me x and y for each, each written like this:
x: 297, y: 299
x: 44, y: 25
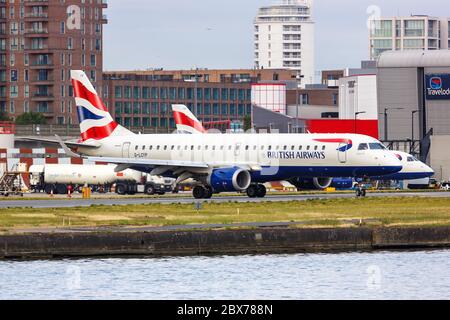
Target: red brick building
x: 40, y: 42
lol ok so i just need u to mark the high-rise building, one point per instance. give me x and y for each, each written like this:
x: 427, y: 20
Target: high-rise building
x: 408, y: 33
x: 40, y: 42
x: 284, y: 38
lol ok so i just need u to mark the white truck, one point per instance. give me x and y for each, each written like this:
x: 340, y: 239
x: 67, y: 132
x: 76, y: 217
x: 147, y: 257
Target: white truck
x: 59, y: 178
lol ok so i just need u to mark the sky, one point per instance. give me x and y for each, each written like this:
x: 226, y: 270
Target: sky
x: 185, y: 34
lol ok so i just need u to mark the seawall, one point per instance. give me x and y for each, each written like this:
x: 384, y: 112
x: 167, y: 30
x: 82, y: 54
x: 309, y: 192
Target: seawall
x: 218, y: 242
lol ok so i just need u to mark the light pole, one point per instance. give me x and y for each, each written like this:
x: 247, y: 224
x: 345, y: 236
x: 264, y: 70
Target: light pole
x: 412, y: 131
x: 386, y: 121
x: 356, y: 118
x: 299, y: 78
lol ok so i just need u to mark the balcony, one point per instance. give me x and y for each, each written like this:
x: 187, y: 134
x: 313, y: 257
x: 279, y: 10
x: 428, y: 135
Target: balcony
x: 36, y: 32
x: 37, y: 49
x: 42, y: 65
x: 104, y: 19
x: 43, y: 81
x: 43, y: 96
x: 36, y: 16
x: 36, y: 2
x: 104, y: 4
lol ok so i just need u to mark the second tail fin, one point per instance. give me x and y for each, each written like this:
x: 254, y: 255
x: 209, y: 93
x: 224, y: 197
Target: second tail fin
x: 95, y: 121
x: 186, y: 121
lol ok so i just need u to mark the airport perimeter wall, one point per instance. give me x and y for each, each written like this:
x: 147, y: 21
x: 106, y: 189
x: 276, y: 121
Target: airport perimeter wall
x: 218, y: 242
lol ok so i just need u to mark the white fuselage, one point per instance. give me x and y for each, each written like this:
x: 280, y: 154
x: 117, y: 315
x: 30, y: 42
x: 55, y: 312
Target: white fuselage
x: 269, y: 156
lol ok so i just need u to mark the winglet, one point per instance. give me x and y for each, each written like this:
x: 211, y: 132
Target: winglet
x: 67, y: 150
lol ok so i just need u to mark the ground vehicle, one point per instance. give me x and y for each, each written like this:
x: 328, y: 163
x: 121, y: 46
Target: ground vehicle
x: 59, y: 178
x: 445, y: 186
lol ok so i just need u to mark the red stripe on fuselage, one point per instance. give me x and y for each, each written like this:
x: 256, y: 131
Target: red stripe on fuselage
x: 99, y: 133
x: 80, y: 91
x: 181, y: 118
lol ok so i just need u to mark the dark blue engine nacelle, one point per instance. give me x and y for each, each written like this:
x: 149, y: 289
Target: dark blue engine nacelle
x: 311, y: 183
x: 229, y: 179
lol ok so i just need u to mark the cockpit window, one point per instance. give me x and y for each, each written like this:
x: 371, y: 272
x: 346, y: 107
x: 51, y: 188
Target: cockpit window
x: 376, y: 146
x: 363, y: 146
x: 410, y: 159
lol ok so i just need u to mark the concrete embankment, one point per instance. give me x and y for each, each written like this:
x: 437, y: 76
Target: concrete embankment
x: 264, y: 240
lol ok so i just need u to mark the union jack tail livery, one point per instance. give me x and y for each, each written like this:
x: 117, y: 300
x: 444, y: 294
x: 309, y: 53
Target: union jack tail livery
x: 186, y: 121
x: 95, y: 121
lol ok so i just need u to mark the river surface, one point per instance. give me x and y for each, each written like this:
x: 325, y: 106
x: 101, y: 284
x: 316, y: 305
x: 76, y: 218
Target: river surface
x: 379, y: 275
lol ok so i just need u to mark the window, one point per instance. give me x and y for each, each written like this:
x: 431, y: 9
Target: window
x: 363, y: 146
x: 376, y: 146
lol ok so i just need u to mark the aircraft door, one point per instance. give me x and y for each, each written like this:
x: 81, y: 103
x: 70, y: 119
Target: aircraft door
x: 342, y: 152
x: 126, y: 150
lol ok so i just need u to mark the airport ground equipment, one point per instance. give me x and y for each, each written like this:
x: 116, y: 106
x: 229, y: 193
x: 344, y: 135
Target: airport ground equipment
x: 56, y: 179
x: 11, y: 181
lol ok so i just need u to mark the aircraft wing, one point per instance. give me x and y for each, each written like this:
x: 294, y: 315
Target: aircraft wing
x: 71, y: 144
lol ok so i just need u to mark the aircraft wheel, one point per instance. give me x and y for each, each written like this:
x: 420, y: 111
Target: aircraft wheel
x: 252, y: 191
x: 208, y: 193
x: 199, y: 192
x: 261, y: 191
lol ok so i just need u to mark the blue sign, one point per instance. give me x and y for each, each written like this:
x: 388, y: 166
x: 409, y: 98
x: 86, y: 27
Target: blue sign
x: 437, y: 86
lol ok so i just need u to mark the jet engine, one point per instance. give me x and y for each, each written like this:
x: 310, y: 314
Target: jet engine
x: 312, y: 183
x: 229, y: 179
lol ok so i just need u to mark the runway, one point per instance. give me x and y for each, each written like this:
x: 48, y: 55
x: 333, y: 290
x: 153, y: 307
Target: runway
x: 70, y: 203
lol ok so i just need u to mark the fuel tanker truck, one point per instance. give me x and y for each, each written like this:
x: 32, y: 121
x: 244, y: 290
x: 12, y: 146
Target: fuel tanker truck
x: 59, y: 178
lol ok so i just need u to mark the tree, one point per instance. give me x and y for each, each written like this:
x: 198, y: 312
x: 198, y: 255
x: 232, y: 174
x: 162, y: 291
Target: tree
x: 247, y: 122
x: 4, y: 116
x: 31, y: 118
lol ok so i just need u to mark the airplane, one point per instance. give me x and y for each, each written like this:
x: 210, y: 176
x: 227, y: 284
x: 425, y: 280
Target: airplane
x: 413, y: 168
x: 221, y: 163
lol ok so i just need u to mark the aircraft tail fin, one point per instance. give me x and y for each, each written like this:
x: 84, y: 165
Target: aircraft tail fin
x: 96, y: 122
x: 186, y: 121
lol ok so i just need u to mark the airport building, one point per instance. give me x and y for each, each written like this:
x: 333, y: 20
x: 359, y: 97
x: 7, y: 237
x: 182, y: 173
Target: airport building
x: 284, y: 38
x: 417, y: 32
x: 40, y: 41
x: 142, y: 99
x: 413, y: 103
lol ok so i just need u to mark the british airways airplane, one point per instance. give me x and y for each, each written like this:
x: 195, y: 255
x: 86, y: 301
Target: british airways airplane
x: 412, y: 167
x: 221, y: 163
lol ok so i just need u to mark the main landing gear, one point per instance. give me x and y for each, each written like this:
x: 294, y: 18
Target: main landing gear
x: 360, y: 191
x: 256, y: 191
x: 202, y: 192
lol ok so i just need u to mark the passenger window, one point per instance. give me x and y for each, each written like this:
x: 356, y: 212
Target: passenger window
x: 173, y: 147
x: 363, y: 146
x: 293, y: 148
x: 135, y: 148
x: 213, y: 148
x: 222, y: 147
x: 316, y: 148
x: 308, y: 148
x: 270, y: 148
x: 143, y: 148
x: 230, y: 147
x: 179, y: 148
x: 185, y: 147
x: 199, y: 148
x: 157, y: 148
x: 323, y: 148
x: 151, y: 147
x: 165, y: 148
x: 285, y: 148
x: 206, y: 148
x: 247, y: 147
x: 300, y: 148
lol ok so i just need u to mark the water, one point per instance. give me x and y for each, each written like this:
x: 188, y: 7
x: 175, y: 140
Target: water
x: 380, y: 275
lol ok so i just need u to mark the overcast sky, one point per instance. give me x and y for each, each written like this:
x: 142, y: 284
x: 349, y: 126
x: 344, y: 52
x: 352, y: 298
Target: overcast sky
x: 176, y: 34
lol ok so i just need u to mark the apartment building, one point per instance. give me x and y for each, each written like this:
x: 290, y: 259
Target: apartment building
x: 40, y: 42
x: 408, y: 33
x: 284, y: 38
